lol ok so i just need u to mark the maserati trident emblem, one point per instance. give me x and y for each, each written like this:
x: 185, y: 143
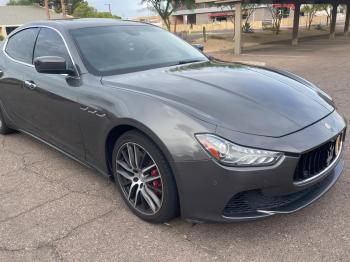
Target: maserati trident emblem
x: 330, y: 155
x: 328, y: 126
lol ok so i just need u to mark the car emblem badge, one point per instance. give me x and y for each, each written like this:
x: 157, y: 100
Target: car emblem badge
x: 328, y: 126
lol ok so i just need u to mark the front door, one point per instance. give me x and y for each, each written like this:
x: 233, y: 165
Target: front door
x: 55, y: 109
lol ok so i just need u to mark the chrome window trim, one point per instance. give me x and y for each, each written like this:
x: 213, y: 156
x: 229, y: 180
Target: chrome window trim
x: 39, y: 26
x: 12, y: 59
x: 323, y: 172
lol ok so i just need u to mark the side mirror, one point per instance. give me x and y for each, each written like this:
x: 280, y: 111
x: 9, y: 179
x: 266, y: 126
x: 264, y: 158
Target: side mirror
x: 199, y: 47
x: 52, y: 65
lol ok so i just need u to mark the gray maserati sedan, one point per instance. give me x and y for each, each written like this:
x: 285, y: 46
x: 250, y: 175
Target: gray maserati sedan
x: 180, y: 133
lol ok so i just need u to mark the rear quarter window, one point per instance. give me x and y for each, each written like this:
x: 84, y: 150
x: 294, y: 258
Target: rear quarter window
x: 20, y: 46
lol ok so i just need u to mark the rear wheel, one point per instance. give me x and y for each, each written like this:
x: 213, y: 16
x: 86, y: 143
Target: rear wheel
x: 144, y: 178
x: 4, y: 129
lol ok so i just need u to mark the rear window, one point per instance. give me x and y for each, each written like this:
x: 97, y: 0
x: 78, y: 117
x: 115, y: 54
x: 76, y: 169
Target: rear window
x: 20, y: 46
x: 121, y: 49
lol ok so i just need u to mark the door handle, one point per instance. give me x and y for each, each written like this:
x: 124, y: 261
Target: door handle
x: 30, y: 84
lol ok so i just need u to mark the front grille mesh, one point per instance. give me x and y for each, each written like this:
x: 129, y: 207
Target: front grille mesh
x: 315, y: 161
x: 249, y: 202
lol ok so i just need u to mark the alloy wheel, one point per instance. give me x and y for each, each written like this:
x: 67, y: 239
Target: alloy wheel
x: 139, y: 178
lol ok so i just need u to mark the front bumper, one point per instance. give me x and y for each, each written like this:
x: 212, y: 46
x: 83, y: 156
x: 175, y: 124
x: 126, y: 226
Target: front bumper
x: 212, y: 192
x: 208, y: 188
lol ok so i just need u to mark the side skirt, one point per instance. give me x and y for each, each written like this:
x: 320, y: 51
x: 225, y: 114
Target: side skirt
x: 82, y: 162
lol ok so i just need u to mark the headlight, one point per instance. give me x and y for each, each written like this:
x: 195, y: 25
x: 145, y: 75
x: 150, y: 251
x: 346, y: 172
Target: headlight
x: 231, y: 154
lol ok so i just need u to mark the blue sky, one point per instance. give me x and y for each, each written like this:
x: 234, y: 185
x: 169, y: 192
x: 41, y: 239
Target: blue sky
x: 124, y: 8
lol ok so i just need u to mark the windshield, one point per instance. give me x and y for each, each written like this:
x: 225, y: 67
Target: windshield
x: 122, y: 49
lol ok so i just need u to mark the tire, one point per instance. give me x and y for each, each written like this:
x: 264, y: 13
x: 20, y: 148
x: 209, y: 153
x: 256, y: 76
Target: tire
x: 4, y: 129
x: 156, y: 200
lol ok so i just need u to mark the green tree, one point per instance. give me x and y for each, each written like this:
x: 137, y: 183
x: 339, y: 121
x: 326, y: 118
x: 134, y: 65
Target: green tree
x: 277, y: 14
x: 71, y: 5
x: 83, y: 10
x: 327, y: 10
x: 77, y: 8
x: 22, y: 2
x: 311, y: 11
x: 55, y: 4
x: 248, y: 11
x: 165, y: 8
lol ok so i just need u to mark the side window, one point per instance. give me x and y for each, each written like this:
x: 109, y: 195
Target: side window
x: 50, y: 43
x: 20, y: 46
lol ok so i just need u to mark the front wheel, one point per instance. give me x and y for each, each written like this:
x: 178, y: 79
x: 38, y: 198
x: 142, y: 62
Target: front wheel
x: 144, y: 178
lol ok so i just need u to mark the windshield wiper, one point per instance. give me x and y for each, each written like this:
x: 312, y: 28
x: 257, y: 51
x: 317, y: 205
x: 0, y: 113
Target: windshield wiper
x: 188, y: 61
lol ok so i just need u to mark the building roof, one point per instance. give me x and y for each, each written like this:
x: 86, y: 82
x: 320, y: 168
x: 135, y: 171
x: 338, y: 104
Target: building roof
x: 19, y: 15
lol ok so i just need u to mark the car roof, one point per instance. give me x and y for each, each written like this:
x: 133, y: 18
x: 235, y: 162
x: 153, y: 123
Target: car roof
x: 67, y: 24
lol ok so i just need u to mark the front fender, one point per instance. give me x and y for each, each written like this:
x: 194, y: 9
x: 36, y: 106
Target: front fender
x: 170, y: 128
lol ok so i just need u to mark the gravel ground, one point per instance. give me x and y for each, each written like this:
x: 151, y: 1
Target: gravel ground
x: 53, y: 209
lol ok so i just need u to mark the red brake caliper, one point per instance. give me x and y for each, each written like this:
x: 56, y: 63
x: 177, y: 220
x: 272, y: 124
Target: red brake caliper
x: 156, y: 183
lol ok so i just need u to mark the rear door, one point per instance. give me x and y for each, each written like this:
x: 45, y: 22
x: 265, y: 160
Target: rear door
x: 16, y: 59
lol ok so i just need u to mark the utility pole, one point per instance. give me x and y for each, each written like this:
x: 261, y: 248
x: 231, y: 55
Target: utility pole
x: 47, y: 9
x: 109, y: 8
x: 63, y: 7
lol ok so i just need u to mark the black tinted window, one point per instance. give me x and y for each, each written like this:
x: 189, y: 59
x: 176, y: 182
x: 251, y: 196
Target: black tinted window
x: 20, y: 46
x: 122, y: 49
x: 50, y: 43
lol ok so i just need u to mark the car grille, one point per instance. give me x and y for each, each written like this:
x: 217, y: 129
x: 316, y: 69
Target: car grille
x: 314, y: 162
x: 249, y: 202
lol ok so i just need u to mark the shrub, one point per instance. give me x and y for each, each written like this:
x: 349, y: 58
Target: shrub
x: 247, y: 28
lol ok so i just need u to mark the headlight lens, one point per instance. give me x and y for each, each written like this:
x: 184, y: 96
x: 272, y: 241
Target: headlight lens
x: 231, y: 154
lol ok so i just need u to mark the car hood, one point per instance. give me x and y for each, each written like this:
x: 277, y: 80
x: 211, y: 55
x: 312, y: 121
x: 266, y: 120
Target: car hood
x: 242, y: 98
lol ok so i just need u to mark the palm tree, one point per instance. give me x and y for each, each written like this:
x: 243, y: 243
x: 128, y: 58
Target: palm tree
x: 47, y: 9
x: 63, y: 8
x: 165, y: 8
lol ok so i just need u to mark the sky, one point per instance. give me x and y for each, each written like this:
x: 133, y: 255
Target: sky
x: 124, y: 8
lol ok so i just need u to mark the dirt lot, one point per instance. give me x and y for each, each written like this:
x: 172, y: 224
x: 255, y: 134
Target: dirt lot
x: 54, y: 209
x: 223, y: 40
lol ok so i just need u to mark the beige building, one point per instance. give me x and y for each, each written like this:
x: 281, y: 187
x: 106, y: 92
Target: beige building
x: 154, y: 20
x: 209, y: 11
x: 12, y: 17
